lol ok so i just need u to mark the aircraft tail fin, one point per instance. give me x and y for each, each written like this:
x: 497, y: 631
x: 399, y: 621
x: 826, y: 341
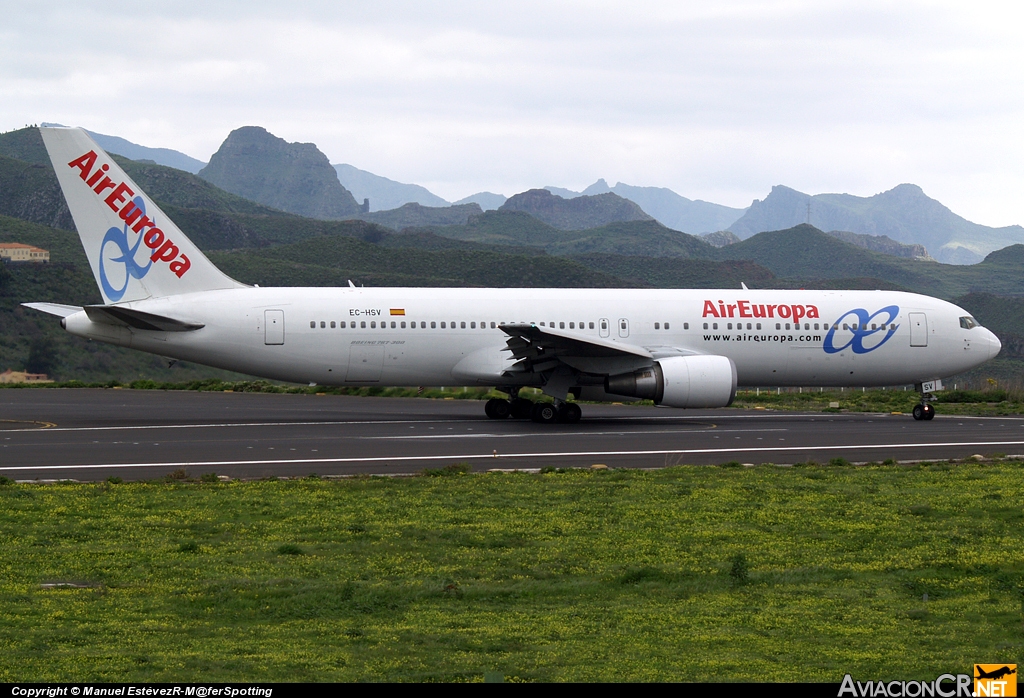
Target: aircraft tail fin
x: 134, y: 249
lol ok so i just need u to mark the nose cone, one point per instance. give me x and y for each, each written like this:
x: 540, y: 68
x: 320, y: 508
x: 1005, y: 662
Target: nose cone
x: 994, y: 345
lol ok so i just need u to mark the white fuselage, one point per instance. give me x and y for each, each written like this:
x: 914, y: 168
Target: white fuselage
x: 439, y: 337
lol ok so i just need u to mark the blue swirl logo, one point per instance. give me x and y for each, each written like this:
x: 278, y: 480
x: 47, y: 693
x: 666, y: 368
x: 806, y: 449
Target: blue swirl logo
x: 122, y: 254
x: 863, y: 339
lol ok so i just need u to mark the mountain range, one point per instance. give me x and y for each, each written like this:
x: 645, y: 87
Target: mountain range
x: 667, y: 207
x: 297, y: 178
x: 905, y: 214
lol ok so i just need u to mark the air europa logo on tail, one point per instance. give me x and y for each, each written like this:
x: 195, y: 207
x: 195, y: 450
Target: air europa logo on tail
x: 745, y: 309
x: 133, y: 213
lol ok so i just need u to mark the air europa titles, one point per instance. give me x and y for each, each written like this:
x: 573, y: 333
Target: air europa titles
x: 119, y: 201
x: 746, y: 309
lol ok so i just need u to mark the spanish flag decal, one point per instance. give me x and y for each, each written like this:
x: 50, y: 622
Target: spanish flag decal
x: 398, y: 311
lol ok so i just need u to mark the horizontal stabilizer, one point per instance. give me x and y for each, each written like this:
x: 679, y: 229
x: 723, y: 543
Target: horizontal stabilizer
x: 55, y: 308
x: 136, y: 319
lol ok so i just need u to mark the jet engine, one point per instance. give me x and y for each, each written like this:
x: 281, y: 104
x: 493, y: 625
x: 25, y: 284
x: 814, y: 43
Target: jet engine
x: 680, y: 381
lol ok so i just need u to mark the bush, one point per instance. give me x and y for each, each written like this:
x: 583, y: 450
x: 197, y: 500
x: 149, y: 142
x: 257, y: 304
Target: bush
x: 739, y: 571
x: 447, y: 471
x: 188, y: 547
x: 209, y: 477
x: 290, y: 549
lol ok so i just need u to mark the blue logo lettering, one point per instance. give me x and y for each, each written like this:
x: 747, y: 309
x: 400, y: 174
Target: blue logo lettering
x: 119, y: 238
x: 861, y: 332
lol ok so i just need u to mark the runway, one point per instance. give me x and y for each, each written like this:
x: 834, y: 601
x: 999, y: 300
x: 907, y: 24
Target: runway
x: 88, y: 435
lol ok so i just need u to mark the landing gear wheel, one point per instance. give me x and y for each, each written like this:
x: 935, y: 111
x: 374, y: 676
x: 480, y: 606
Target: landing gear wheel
x: 918, y: 412
x: 570, y: 413
x: 929, y: 412
x: 496, y: 408
x: 544, y: 413
x: 521, y: 408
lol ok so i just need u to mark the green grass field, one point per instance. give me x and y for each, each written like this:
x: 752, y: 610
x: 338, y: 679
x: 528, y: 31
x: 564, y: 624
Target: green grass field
x: 688, y: 573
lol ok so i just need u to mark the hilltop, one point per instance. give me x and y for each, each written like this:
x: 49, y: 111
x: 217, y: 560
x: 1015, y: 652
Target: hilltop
x: 667, y: 207
x: 414, y: 215
x: 905, y: 214
x: 384, y: 194
x: 292, y: 177
x: 575, y: 214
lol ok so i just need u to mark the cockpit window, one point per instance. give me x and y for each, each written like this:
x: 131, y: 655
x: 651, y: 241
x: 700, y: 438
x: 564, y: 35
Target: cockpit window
x: 967, y: 322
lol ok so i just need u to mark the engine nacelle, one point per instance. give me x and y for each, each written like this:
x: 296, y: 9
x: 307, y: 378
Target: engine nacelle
x: 680, y: 381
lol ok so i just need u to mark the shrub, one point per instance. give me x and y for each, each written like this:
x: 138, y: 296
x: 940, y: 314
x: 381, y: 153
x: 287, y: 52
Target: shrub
x: 448, y: 470
x: 838, y: 462
x: 739, y: 571
x: 290, y: 549
x: 209, y: 477
x: 188, y: 547
x: 114, y: 480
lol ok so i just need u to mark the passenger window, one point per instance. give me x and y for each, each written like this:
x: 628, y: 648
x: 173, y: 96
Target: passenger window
x: 666, y: 325
x: 323, y: 325
x: 551, y: 324
x: 825, y: 326
x: 463, y: 325
x: 433, y: 325
x: 312, y: 324
x: 443, y: 326
x: 572, y: 325
x: 453, y: 324
x: 705, y: 325
x: 363, y: 324
x: 657, y: 326
x: 604, y: 325
x: 749, y: 326
x: 729, y: 326
x: 492, y: 326
x: 472, y: 325
x: 778, y: 325
x: 759, y: 325
x: 845, y: 326
x: 581, y: 325
x: 591, y: 325
x: 714, y: 325
x: 787, y: 325
x: 561, y: 325
x: 403, y: 325
x: 343, y: 324
x: 815, y: 325
x: 332, y: 324
x: 373, y: 324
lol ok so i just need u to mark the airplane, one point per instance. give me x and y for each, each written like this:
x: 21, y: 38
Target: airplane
x: 679, y: 348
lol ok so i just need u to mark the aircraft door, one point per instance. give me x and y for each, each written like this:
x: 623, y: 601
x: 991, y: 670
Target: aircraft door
x: 918, y: 330
x: 623, y: 327
x: 605, y: 327
x: 273, y: 327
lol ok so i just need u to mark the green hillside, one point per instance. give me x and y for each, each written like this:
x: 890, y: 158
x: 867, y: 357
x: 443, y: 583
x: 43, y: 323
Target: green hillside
x: 674, y: 272
x: 647, y: 238
x: 333, y: 260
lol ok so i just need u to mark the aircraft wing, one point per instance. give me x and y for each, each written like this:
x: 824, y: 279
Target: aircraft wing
x: 540, y: 349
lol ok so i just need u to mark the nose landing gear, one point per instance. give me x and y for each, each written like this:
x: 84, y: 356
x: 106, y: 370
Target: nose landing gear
x: 924, y: 411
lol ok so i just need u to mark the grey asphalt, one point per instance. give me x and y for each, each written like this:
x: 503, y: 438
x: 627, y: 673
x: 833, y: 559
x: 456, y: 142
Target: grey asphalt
x: 86, y: 434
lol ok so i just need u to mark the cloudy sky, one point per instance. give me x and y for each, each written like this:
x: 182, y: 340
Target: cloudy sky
x: 717, y: 101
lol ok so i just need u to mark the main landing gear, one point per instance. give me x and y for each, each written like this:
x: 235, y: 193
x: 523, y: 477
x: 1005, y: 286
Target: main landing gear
x: 541, y: 412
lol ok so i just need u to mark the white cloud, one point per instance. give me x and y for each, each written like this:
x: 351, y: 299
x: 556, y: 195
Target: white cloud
x: 715, y: 100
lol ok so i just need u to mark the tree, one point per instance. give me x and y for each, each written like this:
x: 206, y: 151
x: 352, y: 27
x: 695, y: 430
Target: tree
x: 42, y: 356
